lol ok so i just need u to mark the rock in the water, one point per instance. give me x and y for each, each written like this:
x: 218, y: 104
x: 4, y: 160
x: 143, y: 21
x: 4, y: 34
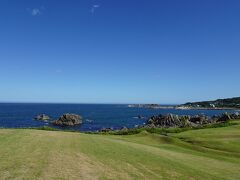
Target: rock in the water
x: 42, y: 117
x: 68, y: 120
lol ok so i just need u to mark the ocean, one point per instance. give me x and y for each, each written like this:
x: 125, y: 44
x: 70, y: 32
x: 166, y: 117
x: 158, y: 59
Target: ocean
x: 95, y: 116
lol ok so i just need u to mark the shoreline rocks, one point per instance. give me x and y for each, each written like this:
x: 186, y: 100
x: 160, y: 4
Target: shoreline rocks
x: 68, y: 120
x: 177, y: 121
x: 171, y: 120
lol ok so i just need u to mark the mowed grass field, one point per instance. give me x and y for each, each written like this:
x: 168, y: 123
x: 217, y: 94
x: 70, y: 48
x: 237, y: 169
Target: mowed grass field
x: 196, y: 154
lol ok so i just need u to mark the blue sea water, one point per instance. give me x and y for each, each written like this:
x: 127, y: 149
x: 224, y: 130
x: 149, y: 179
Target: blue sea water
x: 96, y: 116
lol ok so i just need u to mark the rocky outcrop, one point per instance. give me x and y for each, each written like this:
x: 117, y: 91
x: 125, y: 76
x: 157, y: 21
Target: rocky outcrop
x: 200, y: 119
x: 68, y: 120
x: 225, y: 117
x: 42, y: 117
x: 236, y: 115
x: 171, y: 120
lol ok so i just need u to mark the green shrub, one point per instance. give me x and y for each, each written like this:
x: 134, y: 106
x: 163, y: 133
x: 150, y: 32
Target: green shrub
x: 46, y: 128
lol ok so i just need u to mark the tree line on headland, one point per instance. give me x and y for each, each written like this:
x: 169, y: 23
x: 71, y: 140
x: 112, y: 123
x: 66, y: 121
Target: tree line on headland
x: 219, y: 103
x: 229, y: 103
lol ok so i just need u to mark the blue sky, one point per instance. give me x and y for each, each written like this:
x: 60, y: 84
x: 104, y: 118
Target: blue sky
x: 119, y: 51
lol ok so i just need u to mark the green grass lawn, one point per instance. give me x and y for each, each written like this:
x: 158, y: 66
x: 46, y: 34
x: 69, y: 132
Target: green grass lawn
x: 195, y: 154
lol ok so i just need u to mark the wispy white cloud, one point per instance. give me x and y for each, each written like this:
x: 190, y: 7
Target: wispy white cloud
x: 35, y: 12
x: 94, y: 7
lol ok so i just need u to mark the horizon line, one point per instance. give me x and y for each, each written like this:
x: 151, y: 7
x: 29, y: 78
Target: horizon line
x: 102, y: 103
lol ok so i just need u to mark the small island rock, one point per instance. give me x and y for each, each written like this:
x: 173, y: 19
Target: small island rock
x: 68, y: 120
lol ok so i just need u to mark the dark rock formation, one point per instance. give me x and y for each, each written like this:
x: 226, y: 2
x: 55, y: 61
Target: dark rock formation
x: 225, y: 117
x: 169, y: 120
x: 199, y: 119
x: 68, y: 120
x: 42, y: 117
x: 148, y: 126
x: 236, y: 115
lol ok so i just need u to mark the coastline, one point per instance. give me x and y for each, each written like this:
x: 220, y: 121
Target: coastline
x: 154, y: 106
x: 208, y: 108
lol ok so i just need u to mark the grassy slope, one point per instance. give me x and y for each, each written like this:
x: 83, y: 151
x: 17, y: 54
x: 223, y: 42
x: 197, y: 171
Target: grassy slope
x: 198, y: 154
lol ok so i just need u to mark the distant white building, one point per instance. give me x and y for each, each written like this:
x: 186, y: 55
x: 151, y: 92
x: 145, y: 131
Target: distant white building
x: 212, y: 105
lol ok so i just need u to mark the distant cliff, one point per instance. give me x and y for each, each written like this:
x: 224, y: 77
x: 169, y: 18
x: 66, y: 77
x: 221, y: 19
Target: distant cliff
x: 219, y: 103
